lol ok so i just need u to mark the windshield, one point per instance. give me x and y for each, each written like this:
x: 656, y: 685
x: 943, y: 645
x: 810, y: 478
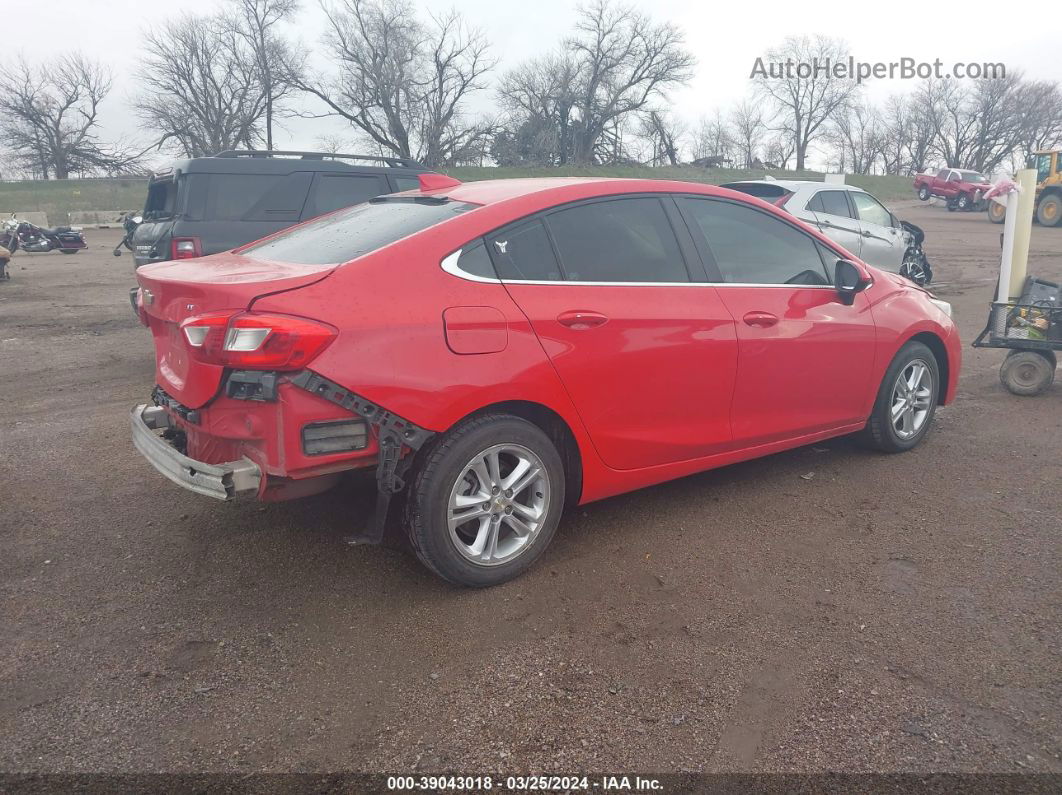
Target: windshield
x: 972, y: 176
x: 347, y: 234
x: 161, y: 200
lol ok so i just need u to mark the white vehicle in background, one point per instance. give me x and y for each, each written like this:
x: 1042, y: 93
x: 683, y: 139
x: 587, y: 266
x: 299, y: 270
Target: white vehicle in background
x: 851, y: 217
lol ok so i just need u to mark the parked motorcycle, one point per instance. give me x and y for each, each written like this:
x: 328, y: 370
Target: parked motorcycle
x: 37, y: 239
x: 129, y: 222
x: 8, y: 246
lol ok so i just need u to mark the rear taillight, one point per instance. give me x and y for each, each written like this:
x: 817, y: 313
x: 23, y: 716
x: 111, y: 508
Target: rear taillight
x: 185, y: 248
x: 256, y: 341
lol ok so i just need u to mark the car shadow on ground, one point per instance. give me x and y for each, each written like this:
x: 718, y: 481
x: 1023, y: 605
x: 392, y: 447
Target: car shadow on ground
x: 331, y: 518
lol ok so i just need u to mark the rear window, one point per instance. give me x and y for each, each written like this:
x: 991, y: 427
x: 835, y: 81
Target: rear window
x: 761, y: 190
x: 161, y: 200
x: 350, y: 233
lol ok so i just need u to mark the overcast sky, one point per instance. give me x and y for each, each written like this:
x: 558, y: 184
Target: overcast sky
x: 725, y: 37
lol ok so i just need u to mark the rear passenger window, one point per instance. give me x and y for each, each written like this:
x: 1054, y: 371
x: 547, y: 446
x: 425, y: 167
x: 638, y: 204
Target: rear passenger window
x: 524, y: 253
x: 475, y: 261
x: 406, y: 183
x: 623, y: 240
x: 333, y: 191
x: 834, y: 202
x: 256, y: 197
x: 751, y: 247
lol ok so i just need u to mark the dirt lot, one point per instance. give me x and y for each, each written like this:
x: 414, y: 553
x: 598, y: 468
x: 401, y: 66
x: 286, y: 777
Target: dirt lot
x: 826, y: 608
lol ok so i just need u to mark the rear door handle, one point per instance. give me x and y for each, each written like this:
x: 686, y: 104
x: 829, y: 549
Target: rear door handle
x: 867, y: 233
x: 580, y: 320
x: 760, y: 319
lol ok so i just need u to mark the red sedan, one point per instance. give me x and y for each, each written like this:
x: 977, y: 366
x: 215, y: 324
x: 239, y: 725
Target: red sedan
x: 499, y: 350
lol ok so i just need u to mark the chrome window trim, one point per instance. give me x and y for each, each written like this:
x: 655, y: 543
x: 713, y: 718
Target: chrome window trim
x: 449, y: 264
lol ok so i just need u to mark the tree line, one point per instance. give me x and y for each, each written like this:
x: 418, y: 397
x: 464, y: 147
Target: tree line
x: 407, y: 84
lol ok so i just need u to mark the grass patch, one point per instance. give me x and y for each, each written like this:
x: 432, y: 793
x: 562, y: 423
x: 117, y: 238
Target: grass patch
x: 58, y: 198
x: 886, y: 188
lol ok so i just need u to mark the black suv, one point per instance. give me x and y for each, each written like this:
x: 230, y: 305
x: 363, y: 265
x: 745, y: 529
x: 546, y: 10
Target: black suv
x: 210, y: 204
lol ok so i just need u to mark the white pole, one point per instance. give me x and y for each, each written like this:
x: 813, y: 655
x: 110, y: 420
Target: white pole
x: 1007, y: 264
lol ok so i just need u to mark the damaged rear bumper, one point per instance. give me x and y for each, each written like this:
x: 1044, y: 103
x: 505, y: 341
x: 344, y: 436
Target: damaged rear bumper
x: 221, y: 481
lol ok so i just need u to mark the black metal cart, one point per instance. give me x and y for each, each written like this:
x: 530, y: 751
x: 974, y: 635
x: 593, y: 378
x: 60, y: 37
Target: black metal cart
x: 1030, y: 328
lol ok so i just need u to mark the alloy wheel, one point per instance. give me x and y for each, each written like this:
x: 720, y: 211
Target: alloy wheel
x: 498, y: 504
x: 912, y: 399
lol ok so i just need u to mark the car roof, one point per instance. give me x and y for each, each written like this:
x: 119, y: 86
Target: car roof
x: 796, y: 184
x: 269, y: 163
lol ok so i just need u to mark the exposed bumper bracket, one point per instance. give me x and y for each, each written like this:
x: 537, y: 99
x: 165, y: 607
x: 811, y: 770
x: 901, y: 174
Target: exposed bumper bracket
x: 393, y: 433
x: 221, y: 481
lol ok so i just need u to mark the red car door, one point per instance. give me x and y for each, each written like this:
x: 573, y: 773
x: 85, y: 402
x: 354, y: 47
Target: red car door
x: 804, y: 358
x: 647, y: 355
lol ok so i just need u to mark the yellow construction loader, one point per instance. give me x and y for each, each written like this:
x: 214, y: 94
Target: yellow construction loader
x: 1048, y: 167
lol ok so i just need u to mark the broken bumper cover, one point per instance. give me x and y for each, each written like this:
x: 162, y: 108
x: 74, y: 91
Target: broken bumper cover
x: 221, y: 481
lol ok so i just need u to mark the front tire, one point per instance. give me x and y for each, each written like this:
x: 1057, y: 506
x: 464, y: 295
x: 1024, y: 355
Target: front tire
x: 69, y: 250
x: 915, y: 267
x: 486, y: 500
x: 997, y: 213
x: 923, y: 193
x: 906, y: 402
x: 963, y: 202
x: 1049, y: 210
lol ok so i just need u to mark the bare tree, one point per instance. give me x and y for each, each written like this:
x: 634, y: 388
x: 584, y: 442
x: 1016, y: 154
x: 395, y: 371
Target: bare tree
x: 625, y: 61
x: 713, y: 140
x: 979, y: 125
x: 203, y: 86
x: 617, y: 63
x: 401, y: 83
x: 905, y: 138
x: 803, y: 99
x: 858, y: 137
x: 49, y: 117
x: 748, y: 127
x: 663, y: 133
x: 255, y: 22
x: 1043, y: 125
x: 778, y: 150
x: 538, y: 98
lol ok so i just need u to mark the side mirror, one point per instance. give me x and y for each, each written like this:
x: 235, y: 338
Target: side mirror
x: 849, y: 281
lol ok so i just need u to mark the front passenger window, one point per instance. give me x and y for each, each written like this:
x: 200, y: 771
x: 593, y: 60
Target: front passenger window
x: 751, y: 247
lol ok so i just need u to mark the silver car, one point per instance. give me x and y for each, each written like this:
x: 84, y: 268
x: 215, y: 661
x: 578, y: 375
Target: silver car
x: 852, y: 218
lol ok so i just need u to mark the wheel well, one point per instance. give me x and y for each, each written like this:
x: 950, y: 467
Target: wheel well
x: 940, y: 353
x: 558, y: 431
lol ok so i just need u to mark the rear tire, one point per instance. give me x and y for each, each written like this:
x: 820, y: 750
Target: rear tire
x: 1027, y: 373
x: 1049, y: 210
x: 997, y: 213
x: 902, y: 416
x: 69, y: 250
x: 461, y: 519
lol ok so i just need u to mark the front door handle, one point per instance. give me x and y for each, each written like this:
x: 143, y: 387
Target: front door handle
x: 580, y: 320
x: 867, y: 233
x: 760, y: 319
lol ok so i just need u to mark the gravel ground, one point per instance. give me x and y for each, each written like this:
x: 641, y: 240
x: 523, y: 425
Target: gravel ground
x: 822, y: 609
